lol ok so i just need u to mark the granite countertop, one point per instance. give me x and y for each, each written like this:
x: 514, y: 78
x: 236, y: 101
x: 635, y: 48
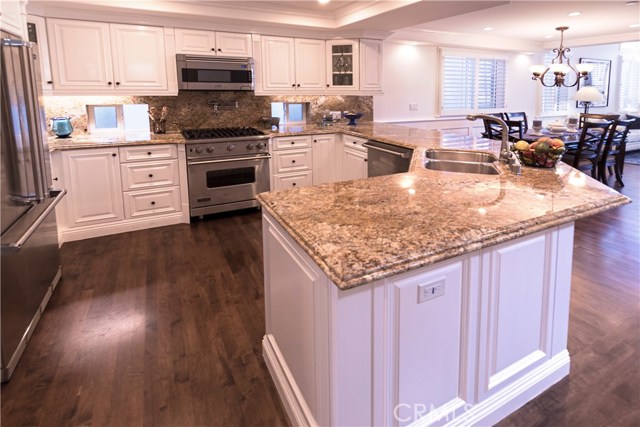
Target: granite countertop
x: 364, y: 230
x: 85, y: 140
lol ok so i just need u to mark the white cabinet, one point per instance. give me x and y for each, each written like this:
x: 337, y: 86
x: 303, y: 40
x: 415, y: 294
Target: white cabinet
x: 12, y: 17
x: 354, y: 158
x: 200, y: 42
x: 343, y: 65
x: 92, y: 180
x: 324, y: 159
x: 37, y: 31
x: 113, y: 190
x: 290, y: 65
x: 101, y: 58
x: 371, y: 66
x: 292, y: 162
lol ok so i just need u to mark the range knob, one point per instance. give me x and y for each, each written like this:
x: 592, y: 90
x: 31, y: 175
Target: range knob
x: 260, y: 145
x: 198, y: 150
x: 231, y: 147
x: 210, y: 149
x: 249, y: 146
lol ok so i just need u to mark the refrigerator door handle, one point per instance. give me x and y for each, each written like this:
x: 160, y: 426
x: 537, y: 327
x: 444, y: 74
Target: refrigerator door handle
x: 17, y: 245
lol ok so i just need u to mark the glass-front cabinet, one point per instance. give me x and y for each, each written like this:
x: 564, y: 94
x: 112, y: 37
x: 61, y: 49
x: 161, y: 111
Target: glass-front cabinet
x: 343, y: 64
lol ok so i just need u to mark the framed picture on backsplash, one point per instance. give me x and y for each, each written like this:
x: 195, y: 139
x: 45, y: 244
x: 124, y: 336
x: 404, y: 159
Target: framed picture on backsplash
x: 599, y: 77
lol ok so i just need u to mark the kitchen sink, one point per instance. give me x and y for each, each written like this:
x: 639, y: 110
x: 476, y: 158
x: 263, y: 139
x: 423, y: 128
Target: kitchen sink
x: 461, y: 156
x: 463, y: 167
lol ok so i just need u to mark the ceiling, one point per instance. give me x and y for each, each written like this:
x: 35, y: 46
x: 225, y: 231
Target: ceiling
x: 516, y: 24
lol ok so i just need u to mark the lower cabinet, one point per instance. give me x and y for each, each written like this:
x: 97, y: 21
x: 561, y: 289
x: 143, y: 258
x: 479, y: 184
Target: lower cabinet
x: 292, y: 162
x: 466, y: 341
x: 114, y: 190
x: 354, y: 158
x: 324, y: 159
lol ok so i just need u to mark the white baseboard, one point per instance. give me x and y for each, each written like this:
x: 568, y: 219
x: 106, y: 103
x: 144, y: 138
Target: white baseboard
x: 290, y: 395
x: 90, y: 231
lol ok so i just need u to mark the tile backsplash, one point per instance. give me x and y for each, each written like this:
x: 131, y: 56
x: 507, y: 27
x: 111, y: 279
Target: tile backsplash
x: 197, y: 109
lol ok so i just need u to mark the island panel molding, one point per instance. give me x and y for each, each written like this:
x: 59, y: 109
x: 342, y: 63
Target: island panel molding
x: 375, y: 355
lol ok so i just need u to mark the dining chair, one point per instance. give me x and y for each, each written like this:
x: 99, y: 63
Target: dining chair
x: 586, y: 154
x: 597, y: 117
x: 492, y: 130
x: 613, y: 151
x: 518, y: 124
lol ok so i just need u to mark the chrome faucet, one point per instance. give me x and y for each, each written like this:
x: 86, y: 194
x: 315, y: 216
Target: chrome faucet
x: 506, y: 156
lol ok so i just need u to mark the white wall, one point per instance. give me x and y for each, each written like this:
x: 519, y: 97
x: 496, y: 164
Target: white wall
x: 411, y: 74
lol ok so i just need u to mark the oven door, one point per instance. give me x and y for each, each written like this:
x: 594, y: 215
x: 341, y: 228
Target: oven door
x: 219, y: 185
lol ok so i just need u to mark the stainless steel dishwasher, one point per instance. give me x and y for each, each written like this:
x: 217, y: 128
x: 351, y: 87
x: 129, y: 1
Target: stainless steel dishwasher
x: 387, y: 159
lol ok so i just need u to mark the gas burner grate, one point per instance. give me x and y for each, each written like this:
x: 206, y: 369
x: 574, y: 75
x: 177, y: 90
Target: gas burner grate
x: 216, y: 133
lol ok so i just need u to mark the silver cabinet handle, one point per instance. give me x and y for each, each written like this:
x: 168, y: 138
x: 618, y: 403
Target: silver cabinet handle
x: 17, y: 245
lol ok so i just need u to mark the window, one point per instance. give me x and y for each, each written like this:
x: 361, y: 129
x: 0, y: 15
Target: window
x: 630, y: 76
x: 472, y: 82
x: 117, y: 118
x: 289, y: 112
x: 555, y: 100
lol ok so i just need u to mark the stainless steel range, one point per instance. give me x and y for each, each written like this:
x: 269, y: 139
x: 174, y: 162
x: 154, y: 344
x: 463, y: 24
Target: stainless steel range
x: 226, y: 167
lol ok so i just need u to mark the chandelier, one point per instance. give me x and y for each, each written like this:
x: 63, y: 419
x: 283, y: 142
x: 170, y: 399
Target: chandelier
x: 559, y: 68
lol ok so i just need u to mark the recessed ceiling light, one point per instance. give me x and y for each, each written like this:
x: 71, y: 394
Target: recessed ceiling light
x: 323, y: 1
x: 634, y: 26
x: 574, y: 13
x: 488, y: 28
x: 548, y: 36
x: 631, y: 3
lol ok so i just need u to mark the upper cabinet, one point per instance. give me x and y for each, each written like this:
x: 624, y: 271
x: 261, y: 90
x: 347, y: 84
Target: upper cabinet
x: 37, y: 33
x: 199, y: 42
x: 315, y: 67
x: 371, y: 66
x: 292, y: 65
x: 343, y: 65
x: 99, y: 58
x: 12, y: 17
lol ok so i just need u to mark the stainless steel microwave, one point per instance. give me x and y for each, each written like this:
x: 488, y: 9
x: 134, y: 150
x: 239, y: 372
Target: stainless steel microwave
x: 214, y: 73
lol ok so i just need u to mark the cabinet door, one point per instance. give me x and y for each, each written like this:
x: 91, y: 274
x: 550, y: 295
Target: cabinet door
x: 343, y: 64
x: 371, y: 65
x: 80, y: 55
x: 138, y: 57
x: 12, y: 17
x: 36, y: 29
x: 354, y: 164
x: 310, y: 64
x: 324, y: 159
x: 92, y: 178
x: 195, y: 42
x: 233, y: 44
x: 278, y: 63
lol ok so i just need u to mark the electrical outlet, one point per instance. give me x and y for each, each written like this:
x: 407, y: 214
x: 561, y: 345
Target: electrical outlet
x: 413, y: 107
x: 430, y: 291
x: 336, y: 115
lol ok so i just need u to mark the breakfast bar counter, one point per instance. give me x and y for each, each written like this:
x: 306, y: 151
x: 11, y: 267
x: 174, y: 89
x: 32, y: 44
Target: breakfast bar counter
x: 421, y: 298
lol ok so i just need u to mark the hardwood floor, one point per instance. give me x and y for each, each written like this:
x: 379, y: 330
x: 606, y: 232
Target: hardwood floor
x: 162, y: 327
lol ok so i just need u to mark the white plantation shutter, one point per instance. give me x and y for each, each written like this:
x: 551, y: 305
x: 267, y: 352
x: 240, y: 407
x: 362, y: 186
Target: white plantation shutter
x: 630, y: 77
x: 471, y: 82
x: 555, y: 100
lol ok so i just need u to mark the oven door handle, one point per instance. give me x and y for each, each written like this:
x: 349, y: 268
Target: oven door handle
x: 235, y: 159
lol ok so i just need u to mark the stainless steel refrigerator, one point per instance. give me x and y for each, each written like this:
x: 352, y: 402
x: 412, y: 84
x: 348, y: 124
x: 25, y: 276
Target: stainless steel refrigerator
x: 30, y: 261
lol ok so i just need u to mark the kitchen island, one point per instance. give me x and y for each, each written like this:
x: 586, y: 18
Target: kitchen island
x: 425, y: 298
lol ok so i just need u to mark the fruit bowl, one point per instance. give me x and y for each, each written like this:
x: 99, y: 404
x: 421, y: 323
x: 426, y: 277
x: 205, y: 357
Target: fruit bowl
x: 543, y: 153
x: 352, y: 117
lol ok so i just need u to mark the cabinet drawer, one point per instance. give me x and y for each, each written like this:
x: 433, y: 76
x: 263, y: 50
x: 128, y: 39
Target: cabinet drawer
x: 149, y: 174
x: 148, y: 152
x: 354, y: 142
x: 284, y: 143
x: 151, y: 202
x: 292, y: 180
x: 292, y: 160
